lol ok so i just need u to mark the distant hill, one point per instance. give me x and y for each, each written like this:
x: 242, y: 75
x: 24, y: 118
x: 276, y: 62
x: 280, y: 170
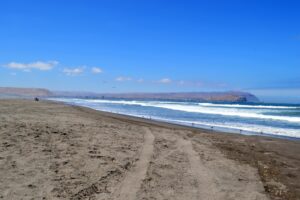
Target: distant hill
x: 190, y: 96
x: 24, y: 92
x: 196, y: 96
x: 239, y: 97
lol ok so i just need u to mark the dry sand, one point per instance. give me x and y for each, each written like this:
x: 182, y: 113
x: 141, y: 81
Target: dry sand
x: 55, y: 151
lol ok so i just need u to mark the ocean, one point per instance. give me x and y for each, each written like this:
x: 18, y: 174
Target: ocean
x: 278, y: 120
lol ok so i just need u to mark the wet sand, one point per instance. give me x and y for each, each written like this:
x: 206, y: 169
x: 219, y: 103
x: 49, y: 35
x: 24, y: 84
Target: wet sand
x: 54, y: 151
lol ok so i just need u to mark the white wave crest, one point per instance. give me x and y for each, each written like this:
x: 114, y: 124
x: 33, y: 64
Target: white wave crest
x: 228, y: 112
x: 246, y: 106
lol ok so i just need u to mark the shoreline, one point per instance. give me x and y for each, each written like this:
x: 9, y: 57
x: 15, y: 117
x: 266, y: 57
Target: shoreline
x: 215, y: 129
x: 210, y: 127
x: 268, y: 171
x: 75, y: 147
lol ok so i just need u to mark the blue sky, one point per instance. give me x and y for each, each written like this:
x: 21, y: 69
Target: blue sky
x: 152, y: 46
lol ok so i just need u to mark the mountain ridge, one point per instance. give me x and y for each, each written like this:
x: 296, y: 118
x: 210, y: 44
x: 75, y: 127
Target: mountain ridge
x: 229, y: 96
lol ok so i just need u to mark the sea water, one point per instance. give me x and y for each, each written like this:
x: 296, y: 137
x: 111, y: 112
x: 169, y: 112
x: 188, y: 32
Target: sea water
x: 282, y: 120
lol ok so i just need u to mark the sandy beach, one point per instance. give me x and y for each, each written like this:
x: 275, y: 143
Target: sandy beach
x: 51, y: 150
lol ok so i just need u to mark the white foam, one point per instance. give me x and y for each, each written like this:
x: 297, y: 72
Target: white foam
x: 247, y: 106
x: 228, y: 112
x: 245, y: 127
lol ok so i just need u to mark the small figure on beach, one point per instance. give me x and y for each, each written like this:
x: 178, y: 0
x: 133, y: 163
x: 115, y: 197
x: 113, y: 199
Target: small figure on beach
x: 36, y: 99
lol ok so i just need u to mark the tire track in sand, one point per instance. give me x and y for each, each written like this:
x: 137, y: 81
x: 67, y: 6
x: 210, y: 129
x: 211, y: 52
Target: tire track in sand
x: 134, y: 178
x: 206, y: 185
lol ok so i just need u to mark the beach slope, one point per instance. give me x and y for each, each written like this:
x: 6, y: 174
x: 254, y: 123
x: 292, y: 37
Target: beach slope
x: 50, y: 150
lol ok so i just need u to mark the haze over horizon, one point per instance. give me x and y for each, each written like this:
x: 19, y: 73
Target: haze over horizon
x: 153, y: 46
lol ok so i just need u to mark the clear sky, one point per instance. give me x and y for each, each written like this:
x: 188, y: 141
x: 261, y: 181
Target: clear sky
x: 152, y: 46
